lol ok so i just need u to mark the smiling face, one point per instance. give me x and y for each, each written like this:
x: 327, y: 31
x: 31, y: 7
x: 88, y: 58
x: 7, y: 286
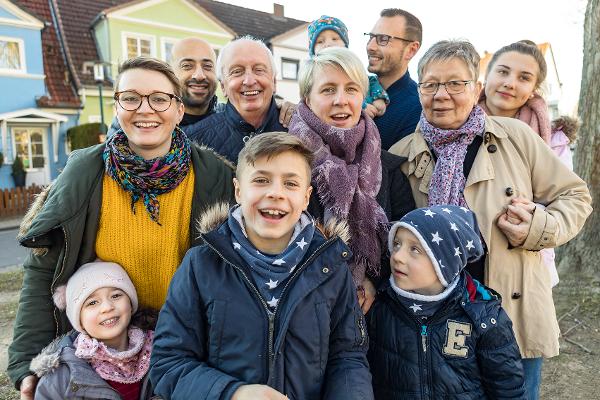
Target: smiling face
x: 105, y: 315
x: 194, y: 65
x: 248, y: 80
x: 148, y: 132
x: 412, y: 269
x: 335, y: 98
x: 390, y: 62
x: 441, y: 109
x: 328, y: 38
x: 273, y: 193
x: 511, y: 82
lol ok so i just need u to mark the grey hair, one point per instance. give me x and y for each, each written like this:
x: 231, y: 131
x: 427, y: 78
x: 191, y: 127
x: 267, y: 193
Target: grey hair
x: 246, y: 38
x: 445, y: 50
x: 337, y: 57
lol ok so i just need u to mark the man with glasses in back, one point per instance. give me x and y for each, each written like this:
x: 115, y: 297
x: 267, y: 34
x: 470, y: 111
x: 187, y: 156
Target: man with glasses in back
x: 393, y: 42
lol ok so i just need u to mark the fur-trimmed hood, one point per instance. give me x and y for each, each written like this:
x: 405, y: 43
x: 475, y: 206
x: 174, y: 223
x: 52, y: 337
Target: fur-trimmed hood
x: 569, y: 126
x: 218, y: 213
x: 49, y: 358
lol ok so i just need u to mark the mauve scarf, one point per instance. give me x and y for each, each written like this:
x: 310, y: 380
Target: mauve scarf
x: 450, y: 147
x: 347, y: 176
x: 534, y: 113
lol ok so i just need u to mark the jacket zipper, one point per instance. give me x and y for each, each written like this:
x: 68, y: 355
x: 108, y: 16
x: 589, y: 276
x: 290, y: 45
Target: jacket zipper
x: 424, y: 337
x: 53, y: 285
x: 271, y: 315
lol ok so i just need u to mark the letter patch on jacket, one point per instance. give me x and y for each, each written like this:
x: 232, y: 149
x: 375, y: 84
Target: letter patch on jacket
x: 456, y: 334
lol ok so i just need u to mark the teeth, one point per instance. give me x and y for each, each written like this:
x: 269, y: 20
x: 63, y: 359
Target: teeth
x: 340, y: 116
x: 146, y: 124
x: 251, y: 93
x: 108, y: 321
x: 274, y: 212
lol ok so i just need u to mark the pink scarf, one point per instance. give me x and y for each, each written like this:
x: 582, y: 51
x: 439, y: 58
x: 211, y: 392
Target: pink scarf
x: 127, y: 366
x: 450, y: 147
x: 534, y: 113
x: 347, y: 175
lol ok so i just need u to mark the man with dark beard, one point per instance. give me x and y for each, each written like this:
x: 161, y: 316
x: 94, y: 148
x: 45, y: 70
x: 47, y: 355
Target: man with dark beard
x: 193, y: 61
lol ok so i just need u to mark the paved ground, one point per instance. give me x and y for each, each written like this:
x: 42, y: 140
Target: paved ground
x: 11, y: 253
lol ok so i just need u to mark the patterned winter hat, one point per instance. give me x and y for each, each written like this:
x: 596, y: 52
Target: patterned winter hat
x: 449, y: 235
x: 85, y: 281
x: 322, y: 24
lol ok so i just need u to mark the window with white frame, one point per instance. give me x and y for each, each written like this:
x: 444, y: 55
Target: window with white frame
x: 29, y: 145
x: 289, y: 69
x: 167, y: 48
x: 12, y: 54
x: 138, y: 45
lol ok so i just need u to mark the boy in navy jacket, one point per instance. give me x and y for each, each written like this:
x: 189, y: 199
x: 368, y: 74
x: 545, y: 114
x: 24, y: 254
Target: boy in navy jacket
x: 436, y: 332
x: 266, y: 308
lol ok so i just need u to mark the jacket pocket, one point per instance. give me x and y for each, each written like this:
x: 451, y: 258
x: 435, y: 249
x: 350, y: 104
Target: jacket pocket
x: 216, y: 319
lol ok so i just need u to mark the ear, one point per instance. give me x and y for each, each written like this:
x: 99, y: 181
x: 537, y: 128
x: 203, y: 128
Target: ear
x: 412, y: 50
x: 237, y: 190
x: 309, y: 190
x: 477, y: 91
x: 223, y: 88
x: 180, y: 112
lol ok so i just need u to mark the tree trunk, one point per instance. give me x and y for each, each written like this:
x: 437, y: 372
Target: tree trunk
x: 583, y: 252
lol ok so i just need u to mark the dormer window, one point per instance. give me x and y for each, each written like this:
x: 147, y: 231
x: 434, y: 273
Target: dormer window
x: 12, y: 55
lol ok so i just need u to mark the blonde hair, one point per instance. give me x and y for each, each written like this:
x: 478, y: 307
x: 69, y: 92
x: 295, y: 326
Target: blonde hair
x: 271, y: 144
x: 337, y: 57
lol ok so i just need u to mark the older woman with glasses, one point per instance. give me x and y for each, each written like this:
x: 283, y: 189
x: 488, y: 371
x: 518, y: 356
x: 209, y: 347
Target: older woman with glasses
x: 353, y: 179
x: 460, y: 156
x: 132, y: 200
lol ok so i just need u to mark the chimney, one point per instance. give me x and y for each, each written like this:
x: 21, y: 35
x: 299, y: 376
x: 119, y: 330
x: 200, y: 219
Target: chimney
x: 277, y: 10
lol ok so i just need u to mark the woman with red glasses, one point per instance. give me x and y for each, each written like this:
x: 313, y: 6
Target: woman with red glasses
x: 132, y: 201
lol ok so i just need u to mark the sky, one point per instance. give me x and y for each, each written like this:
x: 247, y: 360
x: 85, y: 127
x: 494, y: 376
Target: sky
x: 489, y: 25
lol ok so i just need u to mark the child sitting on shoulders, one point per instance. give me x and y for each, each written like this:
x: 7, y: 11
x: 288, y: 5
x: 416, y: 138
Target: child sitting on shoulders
x: 266, y: 309
x: 106, y: 357
x: 434, y: 331
x: 332, y: 32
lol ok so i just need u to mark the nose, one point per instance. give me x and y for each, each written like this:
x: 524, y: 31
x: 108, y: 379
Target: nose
x: 341, y: 98
x: 145, y: 108
x: 249, y: 78
x: 371, y: 43
x: 199, y: 73
x: 442, y: 93
x: 275, y: 190
x: 508, y: 81
x: 106, y: 306
x: 399, y: 256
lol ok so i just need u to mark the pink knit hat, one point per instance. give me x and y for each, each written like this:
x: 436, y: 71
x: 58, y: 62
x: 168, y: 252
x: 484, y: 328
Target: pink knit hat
x: 85, y: 281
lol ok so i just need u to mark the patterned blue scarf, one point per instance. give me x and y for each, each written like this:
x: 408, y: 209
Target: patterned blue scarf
x: 271, y: 271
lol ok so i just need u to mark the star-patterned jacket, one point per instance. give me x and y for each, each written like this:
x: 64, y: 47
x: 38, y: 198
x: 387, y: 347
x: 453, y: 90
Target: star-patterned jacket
x: 466, y: 350
x: 216, y: 333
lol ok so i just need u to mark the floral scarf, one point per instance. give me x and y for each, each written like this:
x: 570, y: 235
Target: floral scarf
x: 347, y: 176
x: 534, y: 113
x: 127, y: 366
x: 146, y: 179
x: 450, y: 147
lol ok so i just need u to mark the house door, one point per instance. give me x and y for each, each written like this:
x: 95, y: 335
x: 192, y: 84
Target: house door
x: 31, y: 146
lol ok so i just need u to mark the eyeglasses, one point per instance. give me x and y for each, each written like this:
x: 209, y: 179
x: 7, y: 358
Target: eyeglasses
x: 452, y: 87
x: 383, y: 40
x: 130, y: 100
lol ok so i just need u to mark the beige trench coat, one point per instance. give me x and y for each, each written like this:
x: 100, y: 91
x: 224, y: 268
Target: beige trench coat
x: 514, y: 161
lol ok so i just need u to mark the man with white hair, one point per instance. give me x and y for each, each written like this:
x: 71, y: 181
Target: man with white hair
x: 246, y: 70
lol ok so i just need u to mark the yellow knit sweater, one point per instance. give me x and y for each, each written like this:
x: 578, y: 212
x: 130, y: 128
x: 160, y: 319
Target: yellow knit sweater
x: 150, y: 253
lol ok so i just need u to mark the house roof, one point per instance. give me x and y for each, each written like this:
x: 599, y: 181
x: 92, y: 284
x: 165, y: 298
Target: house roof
x: 76, y: 17
x: 59, y: 83
x: 245, y: 21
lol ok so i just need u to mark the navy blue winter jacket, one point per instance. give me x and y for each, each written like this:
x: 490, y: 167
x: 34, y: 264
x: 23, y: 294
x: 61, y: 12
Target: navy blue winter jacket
x: 226, y: 132
x: 214, y: 332
x: 466, y: 350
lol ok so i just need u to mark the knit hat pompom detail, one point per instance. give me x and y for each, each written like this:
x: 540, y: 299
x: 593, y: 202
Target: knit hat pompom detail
x: 60, y: 297
x: 449, y: 235
x: 90, y: 277
x: 322, y: 24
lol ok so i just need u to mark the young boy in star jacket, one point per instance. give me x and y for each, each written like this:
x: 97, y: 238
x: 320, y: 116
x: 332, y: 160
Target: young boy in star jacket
x: 266, y: 308
x: 434, y: 331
